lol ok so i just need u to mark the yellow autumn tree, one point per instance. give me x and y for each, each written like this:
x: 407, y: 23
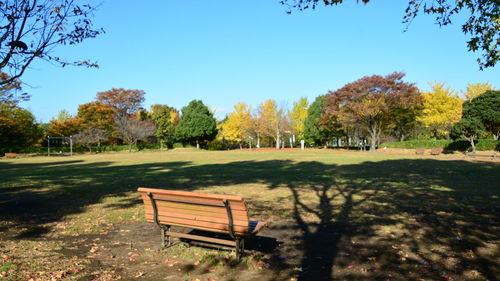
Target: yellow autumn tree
x: 474, y: 90
x: 272, y: 121
x: 297, y: 116
x: 442, y: 108
x: 236, y: 128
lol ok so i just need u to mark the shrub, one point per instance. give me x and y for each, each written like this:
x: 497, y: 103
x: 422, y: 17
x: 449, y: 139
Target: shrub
x: 182, y: 145
x: 458, y: 145
x: 217, y: 145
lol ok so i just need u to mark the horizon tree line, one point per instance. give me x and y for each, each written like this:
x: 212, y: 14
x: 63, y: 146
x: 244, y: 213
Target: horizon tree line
x: 369, y: 110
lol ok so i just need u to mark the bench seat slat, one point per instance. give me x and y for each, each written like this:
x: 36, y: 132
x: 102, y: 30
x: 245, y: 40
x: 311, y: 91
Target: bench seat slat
x: 238, y: 230
x: 219, y: 213
x: 215, y: 225
x: 197, y: 218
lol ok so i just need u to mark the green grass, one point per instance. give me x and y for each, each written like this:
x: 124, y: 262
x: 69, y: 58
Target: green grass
x: 371, y: 210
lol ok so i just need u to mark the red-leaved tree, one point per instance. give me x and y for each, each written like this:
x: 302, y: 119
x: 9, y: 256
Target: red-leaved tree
x: 123, y: 101
x: 372, y: 103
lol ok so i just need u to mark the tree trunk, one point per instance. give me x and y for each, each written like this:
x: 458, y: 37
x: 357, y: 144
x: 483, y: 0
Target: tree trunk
x: 258, y: 141
x: 197, y: 144
x: 472, y: 144
x: 373, y: 137
x: 278, y: 140
x: 130, y: 147
x: 241, y: 147
x: 435, y: 133
x: 402, y: 137
x: 495, y: 136
x: 161, y: 145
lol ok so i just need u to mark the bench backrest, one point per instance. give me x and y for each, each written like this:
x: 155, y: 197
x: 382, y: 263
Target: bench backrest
x: 196, y: 210
x: 420, y: 150
x: 436, y: 151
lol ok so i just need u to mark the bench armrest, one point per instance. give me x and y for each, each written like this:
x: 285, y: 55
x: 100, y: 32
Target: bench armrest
x: 155, y: 208
x: 229, y: 218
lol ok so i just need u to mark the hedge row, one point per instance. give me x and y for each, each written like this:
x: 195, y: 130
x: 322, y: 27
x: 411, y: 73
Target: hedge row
x: 458, y: 145
x: 66, y: 149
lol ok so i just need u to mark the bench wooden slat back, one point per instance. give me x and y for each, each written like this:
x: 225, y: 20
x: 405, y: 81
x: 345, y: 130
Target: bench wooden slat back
x: 196, y: 210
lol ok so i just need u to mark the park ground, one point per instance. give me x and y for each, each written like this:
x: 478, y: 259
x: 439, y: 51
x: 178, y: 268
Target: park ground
x: 335, y: 215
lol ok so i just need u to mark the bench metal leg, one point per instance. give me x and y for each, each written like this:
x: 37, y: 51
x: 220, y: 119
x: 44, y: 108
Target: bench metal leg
x: 240, y: 247
x: 166, y: 240
x: 239, y: 241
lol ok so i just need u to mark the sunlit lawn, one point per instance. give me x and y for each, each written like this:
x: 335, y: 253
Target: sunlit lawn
x: 337, y: 214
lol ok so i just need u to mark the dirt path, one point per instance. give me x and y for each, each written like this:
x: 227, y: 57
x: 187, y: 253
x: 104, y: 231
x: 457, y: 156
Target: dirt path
x: 131, y: 252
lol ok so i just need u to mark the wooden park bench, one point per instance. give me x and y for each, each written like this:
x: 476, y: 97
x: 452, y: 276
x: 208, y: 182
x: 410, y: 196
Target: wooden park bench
x: 10, y: 155
x: 218, y: 213
x: 493, y: 156
x: 436, y: 151
x: 420, y: 150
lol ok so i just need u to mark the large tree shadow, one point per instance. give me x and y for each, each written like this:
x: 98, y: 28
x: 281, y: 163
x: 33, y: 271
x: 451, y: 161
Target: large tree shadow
x: 393, y: 219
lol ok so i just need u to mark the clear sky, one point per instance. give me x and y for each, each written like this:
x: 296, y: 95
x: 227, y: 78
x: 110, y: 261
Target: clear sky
x: 227, y: 51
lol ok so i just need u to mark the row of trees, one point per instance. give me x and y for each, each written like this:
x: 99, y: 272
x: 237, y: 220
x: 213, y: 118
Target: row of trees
x: 115, y: 116
x: 366, y: 111
x: 118, y: 115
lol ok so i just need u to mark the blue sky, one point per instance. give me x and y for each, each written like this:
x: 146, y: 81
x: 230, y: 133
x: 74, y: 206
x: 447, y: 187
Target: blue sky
x: 223, y: 52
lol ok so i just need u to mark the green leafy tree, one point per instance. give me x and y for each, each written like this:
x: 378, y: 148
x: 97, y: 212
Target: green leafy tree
x: 485, y: 107
x: 17, y: 128
x: 166, y: 119
x: 403, y: 117
x: 469, y: 129
x: 483, y: 25
x: 197, y: 123
x: 314, y: 131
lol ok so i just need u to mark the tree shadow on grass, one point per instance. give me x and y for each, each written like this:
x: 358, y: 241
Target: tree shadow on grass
x: 393, y: 219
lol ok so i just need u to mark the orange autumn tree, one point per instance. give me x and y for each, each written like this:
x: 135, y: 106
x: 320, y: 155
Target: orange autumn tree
x: 372, y: 103
x: 123, y: 101
x: 97, y: 116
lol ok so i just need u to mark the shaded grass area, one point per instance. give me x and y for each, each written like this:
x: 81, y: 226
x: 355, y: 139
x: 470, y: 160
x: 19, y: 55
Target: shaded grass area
x: 339, y: 215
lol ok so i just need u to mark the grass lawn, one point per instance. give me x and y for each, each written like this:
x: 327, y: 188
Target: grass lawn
x: 336, y: 215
